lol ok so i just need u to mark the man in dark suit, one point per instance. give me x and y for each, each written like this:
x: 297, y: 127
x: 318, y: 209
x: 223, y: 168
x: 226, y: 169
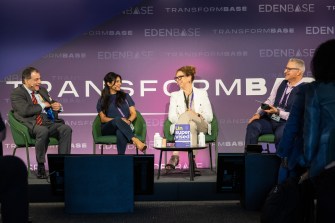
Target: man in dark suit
x: 272, y: 120
x: 33, y: 106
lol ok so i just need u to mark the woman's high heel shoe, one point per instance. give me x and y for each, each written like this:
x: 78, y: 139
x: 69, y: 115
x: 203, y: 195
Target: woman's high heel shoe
x: 140, y: 145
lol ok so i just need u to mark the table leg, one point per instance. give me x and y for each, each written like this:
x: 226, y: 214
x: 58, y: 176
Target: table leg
x: 191, y: 164
x: 159, y: 165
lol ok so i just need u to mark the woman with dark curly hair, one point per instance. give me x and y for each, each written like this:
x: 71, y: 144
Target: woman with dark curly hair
x: 117, y: 112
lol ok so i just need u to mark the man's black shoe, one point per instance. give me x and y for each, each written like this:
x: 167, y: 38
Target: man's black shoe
x: 41, y: 172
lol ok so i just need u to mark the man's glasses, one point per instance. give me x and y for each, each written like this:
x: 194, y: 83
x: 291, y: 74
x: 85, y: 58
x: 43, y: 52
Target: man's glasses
x: 291, y: 68
x: 178, y: 78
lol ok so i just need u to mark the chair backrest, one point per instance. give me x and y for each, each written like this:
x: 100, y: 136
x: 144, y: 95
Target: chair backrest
x: 96, y: 127
x: 20, y: 132
x: 215, y: 130
x: 140, y: 127
x: 209, y: 138
x: 166, y: 131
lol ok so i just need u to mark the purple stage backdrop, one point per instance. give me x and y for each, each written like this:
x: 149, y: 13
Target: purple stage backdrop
x: 240, y: 49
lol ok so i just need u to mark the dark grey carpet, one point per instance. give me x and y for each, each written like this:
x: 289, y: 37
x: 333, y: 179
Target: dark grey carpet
x: 178, y: 211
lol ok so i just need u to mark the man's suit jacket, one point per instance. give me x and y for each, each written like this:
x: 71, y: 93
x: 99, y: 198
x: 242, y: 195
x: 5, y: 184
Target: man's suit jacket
x: 25, y: 110
x: 201, y: 102
x: 291, y: 143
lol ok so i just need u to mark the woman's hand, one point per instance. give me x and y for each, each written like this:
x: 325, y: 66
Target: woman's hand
x: 104, y: 118
x: 126, y: 121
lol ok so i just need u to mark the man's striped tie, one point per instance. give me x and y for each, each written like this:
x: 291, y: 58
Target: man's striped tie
x: 38, y: 117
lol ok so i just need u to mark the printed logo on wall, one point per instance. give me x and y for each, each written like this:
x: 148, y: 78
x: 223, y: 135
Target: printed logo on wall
x: 286, y: 8
x: 66, y: 55
x: 209, y: 9
x: 254, y: 31
x: 110, y: 33
x: 143, y: 10
x: 172, y: 32
x: 286, y: 53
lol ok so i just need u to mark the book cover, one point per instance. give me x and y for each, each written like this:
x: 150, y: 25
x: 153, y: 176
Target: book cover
x: 182, y: 135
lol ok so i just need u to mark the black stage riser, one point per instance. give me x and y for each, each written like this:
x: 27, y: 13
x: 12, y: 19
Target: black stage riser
x: 173, y: 191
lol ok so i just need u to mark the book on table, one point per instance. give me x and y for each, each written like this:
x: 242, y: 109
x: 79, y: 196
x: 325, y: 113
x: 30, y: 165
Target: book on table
x: 182, y: 135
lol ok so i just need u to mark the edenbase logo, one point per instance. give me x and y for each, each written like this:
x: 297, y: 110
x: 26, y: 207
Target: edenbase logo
x: 286, y: 53
x: 286, y: 8
x: 320, y: 30
x: 172, y: 32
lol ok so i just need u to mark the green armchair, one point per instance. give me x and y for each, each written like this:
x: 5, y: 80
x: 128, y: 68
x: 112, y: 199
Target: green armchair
x: 268, y: 139
x: 22, y: 138
x: 98, y: 139
x: 208, y: 138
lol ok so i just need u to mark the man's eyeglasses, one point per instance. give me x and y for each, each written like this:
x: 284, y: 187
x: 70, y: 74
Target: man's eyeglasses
x: 178, y: 78
x: 291, y: 68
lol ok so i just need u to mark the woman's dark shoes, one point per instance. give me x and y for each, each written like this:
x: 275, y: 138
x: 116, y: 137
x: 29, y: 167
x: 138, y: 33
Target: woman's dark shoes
x: 173, y: 162
x: 41, y: 174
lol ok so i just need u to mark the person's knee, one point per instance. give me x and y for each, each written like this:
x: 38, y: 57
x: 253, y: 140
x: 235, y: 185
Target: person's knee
x: 66, y: 129
x: 120, y: 136
x: 252, y: 127
x: 193, y: 127
x: 184, y: 118
x: 42, y: 132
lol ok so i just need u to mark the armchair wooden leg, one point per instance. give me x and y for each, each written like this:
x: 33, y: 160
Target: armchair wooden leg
x: 28, y: 160
x: 216, y: 154
x: 210, y: 155
x: 14, y: 151
x: 267, y: 148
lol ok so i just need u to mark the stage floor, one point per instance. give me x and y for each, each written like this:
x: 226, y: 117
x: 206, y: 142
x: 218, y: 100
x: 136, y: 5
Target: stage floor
x: 174, y: 185
x: 176, y: 176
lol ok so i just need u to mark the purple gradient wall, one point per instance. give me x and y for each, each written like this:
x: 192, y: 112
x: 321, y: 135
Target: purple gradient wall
x: 239, y: 48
